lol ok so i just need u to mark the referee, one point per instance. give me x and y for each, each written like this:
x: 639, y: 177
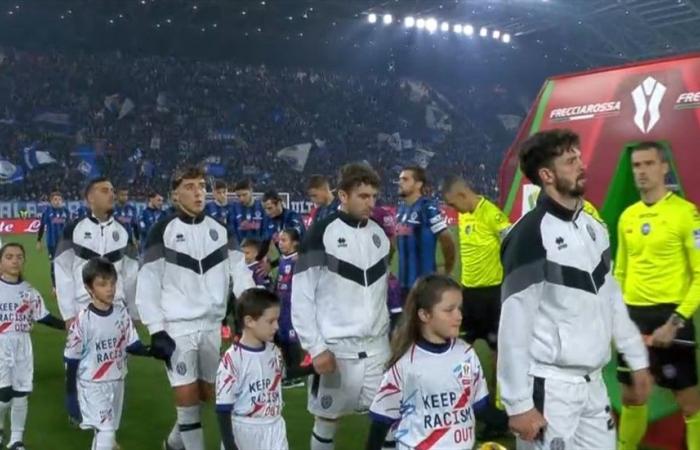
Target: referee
x: 482, y: 227
x: 658, y: 267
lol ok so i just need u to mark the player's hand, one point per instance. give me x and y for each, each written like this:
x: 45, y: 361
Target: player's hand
x: 38, y: 246
x: 642, y: 383
x: 528, y: 425
x: 69, y: 323
x: 325, y: 363
x: 226, y: 336
x: 664, y: 335
x: 162, y: 347
x: 264, y: 268
x: 73, y: 408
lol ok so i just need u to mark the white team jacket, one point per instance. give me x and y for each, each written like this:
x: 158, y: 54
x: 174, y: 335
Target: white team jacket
x: 85, y: 239
x: 185, y: 279
x: 339, y: 287
x: 561, y: 305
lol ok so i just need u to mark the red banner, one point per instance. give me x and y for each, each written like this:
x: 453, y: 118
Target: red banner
x: 19, y: 226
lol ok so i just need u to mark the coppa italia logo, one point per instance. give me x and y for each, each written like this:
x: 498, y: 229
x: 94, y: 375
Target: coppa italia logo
x: 647, y: 99
x: 19, y: 226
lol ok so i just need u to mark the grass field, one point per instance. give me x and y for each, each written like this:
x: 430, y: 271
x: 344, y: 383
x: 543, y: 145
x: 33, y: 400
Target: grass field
x: 148, y: 412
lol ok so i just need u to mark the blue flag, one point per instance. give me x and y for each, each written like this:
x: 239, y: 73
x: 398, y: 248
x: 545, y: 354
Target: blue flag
x: 215, y: 170
x: 34, y: 158
x: 87, y: 162
x: 9, y: 172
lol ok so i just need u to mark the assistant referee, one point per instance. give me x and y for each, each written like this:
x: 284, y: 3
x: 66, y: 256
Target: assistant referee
x: 482, y: 226
x: 658, y: 266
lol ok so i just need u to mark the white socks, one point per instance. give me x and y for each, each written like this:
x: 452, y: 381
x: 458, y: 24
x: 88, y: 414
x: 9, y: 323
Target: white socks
x: 323, y: 434
x: 190, y: 423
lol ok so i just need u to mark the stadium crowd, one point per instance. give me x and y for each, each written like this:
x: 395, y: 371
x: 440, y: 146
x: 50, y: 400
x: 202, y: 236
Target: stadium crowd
x: 143, y: 116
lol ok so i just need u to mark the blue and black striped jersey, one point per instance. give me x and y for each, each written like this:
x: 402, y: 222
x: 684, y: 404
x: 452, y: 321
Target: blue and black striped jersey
x: 417, y: 227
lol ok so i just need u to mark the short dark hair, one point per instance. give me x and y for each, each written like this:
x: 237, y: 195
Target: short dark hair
x: 317, y: 182
x: 243, y: 185
x: 451, y: 181
x: 651, y: 145
x: 293, y: 233
x: 93, y: 182
x: 98, y: 267
x: 123, y: 188
x: 186, y: 173
x: 220, y: 184
x: 540, y: 149
x: 153, y: 194
x: 253, y: 302
x: 271, y: 195
x: 54, y: 194
x: 14, y: 245
x: 355, y: 174
x: 419, y: 174
x: 251, y: 242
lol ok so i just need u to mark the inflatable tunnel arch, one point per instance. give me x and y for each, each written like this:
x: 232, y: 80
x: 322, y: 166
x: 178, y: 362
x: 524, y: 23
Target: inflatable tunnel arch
x: 612, y: 109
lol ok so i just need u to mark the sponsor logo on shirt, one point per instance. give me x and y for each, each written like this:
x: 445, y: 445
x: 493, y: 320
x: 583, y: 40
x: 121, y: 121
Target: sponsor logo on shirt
x: 696, y: 237
x: 561, y: 244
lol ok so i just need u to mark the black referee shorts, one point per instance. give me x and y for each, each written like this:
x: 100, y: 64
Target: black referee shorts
x: 481, y: 311
x: 674, y: 367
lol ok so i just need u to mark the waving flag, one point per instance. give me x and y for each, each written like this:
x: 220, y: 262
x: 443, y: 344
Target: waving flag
x: 296, y: 155
x: 34, y: 158
x: 87, y: 162
x: 10, y: 173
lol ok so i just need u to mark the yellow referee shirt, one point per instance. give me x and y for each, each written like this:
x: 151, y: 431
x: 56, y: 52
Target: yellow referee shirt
x: 590, y: 209
x: 658, y: 254
x: 480, y: 244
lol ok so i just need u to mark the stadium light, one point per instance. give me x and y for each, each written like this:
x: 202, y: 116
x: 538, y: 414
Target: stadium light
x: 445, y: 27
x: 409, y: 22
x: 506, y: 38
x: 420, y: 24
x: 457, y: 28
x: 372, y: 18
x: 483, y: 32
x: 431, y: 25
x: 387, y: 19
x: 496, y: 34
x: 468, y: 30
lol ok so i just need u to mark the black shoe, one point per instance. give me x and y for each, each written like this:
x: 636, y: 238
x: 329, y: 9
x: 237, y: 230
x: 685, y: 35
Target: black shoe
x: 491, y: 433
x: 293, y: 383
x: 17, y: 446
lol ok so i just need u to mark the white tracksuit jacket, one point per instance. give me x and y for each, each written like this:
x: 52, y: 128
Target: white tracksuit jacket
x: 85, y: 239
x: 561, y: 306
x: 185, y: 279
x: 339, y: 288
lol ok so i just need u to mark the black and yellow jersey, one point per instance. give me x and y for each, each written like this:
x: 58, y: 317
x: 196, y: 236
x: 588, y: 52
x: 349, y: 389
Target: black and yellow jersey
x: 480, y: 234
x: 658, y: 254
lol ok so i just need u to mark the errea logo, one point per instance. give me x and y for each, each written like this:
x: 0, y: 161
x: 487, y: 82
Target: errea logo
x: 561, y: 244
x: 647, y: 99
x: 342, y: 243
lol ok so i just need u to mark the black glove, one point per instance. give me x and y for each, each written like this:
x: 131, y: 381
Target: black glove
x: 73, y: 408
x: 162, y: 347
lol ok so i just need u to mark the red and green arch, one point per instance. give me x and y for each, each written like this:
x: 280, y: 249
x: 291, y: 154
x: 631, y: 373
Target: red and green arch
x: 607, y: 126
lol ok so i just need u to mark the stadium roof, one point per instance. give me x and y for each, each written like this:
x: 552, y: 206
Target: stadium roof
x: 576, y: 33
